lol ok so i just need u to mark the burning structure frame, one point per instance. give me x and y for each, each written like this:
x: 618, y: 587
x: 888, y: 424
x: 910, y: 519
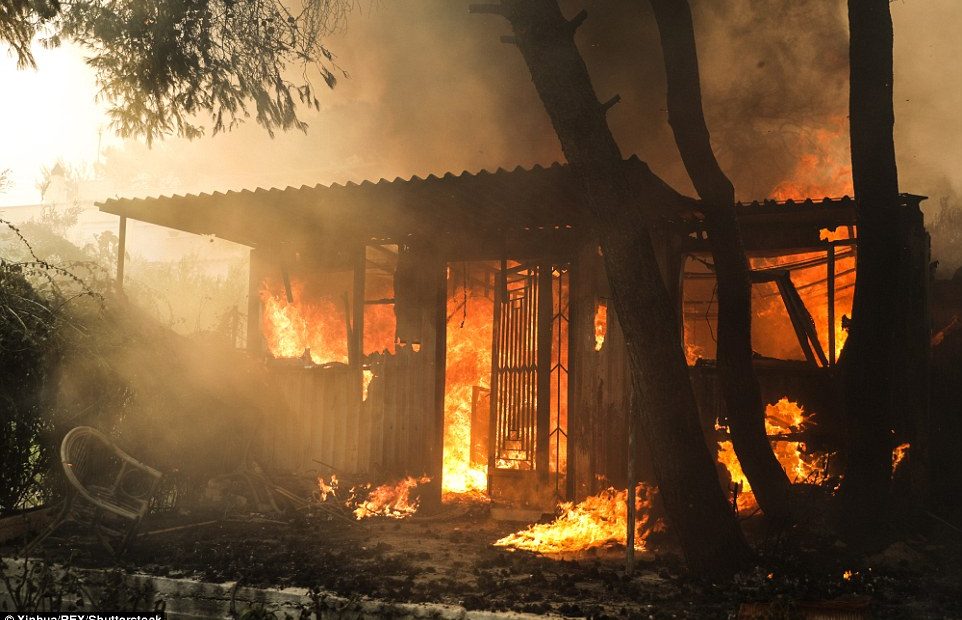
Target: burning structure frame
x: 379, y: 411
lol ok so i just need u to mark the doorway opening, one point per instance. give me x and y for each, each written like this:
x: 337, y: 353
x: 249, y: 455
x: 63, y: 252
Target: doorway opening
x: 506, y: 381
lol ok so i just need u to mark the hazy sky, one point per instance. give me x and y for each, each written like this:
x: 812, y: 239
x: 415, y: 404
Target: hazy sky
x: 433, y: 90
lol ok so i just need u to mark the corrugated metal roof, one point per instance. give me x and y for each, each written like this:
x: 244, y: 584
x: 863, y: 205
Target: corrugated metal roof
x: 520, y: 198
x: 469, y: 203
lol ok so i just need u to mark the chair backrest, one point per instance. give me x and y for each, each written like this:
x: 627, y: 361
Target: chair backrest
x: 75, y: 454
x: 90, y: 459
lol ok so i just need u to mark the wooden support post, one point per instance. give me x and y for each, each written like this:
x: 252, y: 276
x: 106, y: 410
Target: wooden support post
x: 253, y: 304
x: 544, y: 321
x: 494, y: 434
x: 286, y: 278
x: 830, y: 266
x: 439, y: 318
x: 574, y: 374
x: 357, y: 326
x: 676, y: 284
x: 630, y: 534
x: 349, y: 330
x: 121, y: 252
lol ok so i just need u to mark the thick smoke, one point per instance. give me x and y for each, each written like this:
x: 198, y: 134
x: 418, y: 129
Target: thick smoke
x: 186, y: 405
x: 928, y: 128
x: 432, y: 90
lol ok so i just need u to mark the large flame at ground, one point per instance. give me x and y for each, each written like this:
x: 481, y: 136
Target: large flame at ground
x: 389, y: 500
x: 781, y: 418
x: 597, y: 521
x: 468, y: 366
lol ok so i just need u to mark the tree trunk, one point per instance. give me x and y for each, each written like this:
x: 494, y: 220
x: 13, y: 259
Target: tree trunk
x: 870, y: 350
x: 696, y: 507
x: 743, y: 398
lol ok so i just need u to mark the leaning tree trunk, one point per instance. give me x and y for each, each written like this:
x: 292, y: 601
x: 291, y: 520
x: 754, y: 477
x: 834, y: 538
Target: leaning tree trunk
x: 696, y: 507
x: 870, y: 350
x: 743, y: 397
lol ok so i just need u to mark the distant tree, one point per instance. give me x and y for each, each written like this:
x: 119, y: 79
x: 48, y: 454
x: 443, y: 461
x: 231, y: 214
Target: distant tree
x: 165, y: 64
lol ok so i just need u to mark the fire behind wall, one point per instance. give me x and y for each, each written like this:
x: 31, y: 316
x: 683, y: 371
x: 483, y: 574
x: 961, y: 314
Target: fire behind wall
x: 470, y: 328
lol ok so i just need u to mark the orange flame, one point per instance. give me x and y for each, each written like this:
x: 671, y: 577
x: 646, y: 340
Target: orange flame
x: 771, y: 331
x: 390, y: 500
x: 468, y: 365
x: 899, y: 454
x: 380, y: 328
x: 693, y: 352
x: 292, y: 329
x: 781, y: 418
x: 824, y: 168
x: 599, y: 520
x: 327, y: 489
x: 601, y: 324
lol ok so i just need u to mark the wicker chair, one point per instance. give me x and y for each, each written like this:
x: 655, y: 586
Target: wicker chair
x: 106, y: 488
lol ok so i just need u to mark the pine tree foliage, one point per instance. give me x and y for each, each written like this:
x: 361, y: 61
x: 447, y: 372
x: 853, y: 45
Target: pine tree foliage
x: 175, y: 67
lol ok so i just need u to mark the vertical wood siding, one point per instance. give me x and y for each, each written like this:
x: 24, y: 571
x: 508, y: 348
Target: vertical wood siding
x: 325, y: 419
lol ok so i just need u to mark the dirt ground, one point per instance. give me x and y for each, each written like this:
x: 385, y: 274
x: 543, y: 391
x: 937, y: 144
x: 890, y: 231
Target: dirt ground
x: 448, y: 558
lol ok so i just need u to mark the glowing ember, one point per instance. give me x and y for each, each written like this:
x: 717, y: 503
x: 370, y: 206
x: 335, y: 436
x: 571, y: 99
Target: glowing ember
x: 601, y: 324
x: 468, y: 365
x: 390, y: 500
x: 781, y: 418
x: 599, y: 520
x: 293, y: 329
x: 899, y: 454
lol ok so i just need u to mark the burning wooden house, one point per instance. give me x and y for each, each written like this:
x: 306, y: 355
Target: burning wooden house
x: 457, y: 327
